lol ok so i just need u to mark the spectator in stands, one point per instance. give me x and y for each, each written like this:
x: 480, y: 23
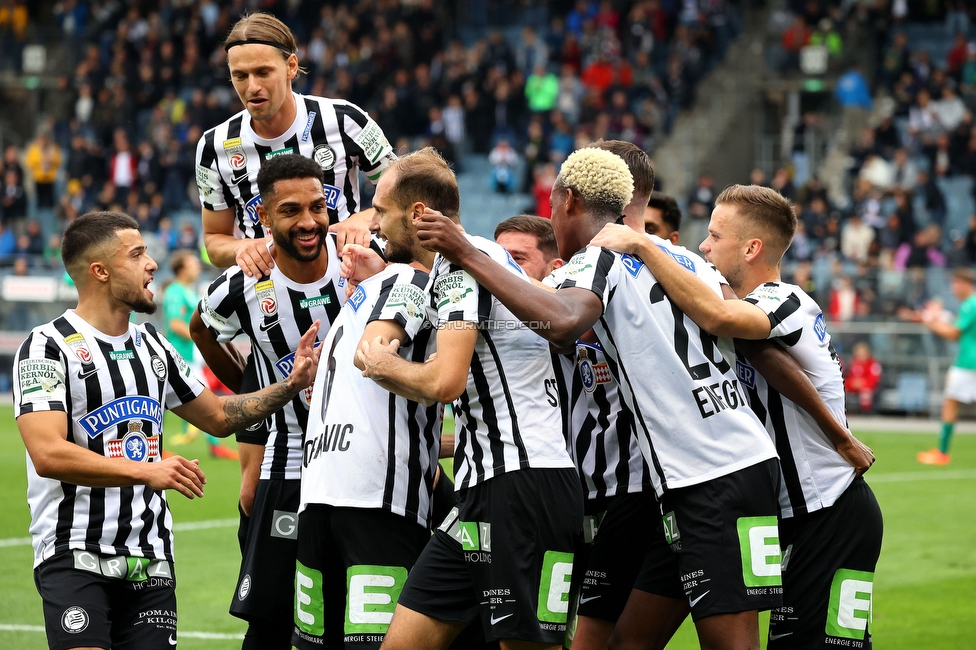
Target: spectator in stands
x: 923, y: 252
x: 541, y: 89
x: 932, y: 197
x: 886, y: 136
x: 844, y: 300
x: 895, y: 60
x: 43, y: 159
x: 794, y: 39
x: 701, y: 201
x: 949, y: 110
x: 13, y: 203
x: 8, y: 245
x: 863, y: 376
x: 757, y: 177
x: 123, y: 166
x: 503, y: 159
x: 544, y: 176
x: 905, y: 171
x: 852, y: 90
x: 782, y: 183
x: 856, y: 239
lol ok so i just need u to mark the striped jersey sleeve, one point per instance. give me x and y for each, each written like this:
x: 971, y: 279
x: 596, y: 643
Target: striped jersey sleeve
x: 39, y: 376
x: 594, y: 269
x: 782, y: 306
x: 220, y: 305
x: 403, y: 299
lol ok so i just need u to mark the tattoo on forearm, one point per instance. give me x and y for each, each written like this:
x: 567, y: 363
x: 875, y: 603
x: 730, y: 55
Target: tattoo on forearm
x: 241, y: 411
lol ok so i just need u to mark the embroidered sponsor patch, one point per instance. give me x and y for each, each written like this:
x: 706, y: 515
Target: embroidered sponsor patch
x: 745, y: 373
x: 77, y: 344
x: 317, y: 301
x: 372, y: 141
x: 357, y: 298
x: 408, y: 298
x: 208, y: 182
x: 121, y: 355
x: 278, y: 152
x: 452, y: 288
x: 236, y: 156
x: 632, y: 264
x: 41, y: 380
x: 267, y: 299
x: 332, y: 195
x: 683, y: 260
x: 308, y: 126
x: 251, y: 209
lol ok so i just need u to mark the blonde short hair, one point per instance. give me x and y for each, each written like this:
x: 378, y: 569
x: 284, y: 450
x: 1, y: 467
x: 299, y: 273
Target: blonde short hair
x: 600, y: 178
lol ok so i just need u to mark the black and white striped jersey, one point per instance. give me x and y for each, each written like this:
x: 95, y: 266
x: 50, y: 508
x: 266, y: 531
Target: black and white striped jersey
x: 366, y: 447
x: 602, y: 439
x: 814, y: 474
x: 692, y: 420
x: 274, y: 312
x: 339, y: 136
x: 114, y: 390
x: 509, y: 417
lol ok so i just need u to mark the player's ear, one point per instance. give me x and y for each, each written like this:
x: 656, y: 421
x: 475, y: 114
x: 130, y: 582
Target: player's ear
x: 292, y: 66
x: 263, y: 216
x: 416, y: 212
x: 754, y: 249
x: 99, y: 271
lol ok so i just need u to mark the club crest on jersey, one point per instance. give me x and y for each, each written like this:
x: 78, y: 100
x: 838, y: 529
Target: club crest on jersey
x: 593, y: 374
x: 121, y: 410
x: 251, y: 209
x: 267, y: 300
x: 632, y: 264
x: 357, y: 298
x: 820, y: 327
x: 77, y: 344
x: 136, y: 445
x: 332, y: 195
x: 683, y: 260
x: 745, y: 373
x: 158, y: 367
x: 324, y: 156
x: 236, y: 156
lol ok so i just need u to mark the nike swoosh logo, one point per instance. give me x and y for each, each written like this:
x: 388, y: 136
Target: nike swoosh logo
x: 692, y: 603
x: 264, y: 327
x: 586, y: 600
x: 500, y: 618
x: 773, y: 637
x: 172, y: 641
x: 86, y: 375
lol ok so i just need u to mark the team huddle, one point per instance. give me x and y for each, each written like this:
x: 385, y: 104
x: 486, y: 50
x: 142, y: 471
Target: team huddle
x: 633, y: 442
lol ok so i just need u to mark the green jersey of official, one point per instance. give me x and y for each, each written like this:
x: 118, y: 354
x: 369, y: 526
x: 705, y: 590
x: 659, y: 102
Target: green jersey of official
x: 966, y: 322
x: 179, y: 302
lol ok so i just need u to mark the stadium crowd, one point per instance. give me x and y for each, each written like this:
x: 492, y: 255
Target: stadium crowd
x: 118, y: 130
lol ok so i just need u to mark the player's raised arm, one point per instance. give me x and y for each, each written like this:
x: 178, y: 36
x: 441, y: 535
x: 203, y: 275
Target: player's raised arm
x: 222, y: 416
x: 560, y: 317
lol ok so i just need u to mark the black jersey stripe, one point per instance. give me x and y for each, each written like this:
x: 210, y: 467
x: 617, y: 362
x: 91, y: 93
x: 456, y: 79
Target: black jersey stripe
x: 352, y: 149
x: 620, y: 373
x: 787, y: 309
x: 791, y: 477
x: 624, y: 426
x: 489, y: 415
x: 391, y: 445
x: 791, y: 339
x: 462, y: 417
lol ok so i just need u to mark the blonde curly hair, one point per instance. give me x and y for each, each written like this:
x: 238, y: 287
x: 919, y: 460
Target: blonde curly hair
x: 601, y: 179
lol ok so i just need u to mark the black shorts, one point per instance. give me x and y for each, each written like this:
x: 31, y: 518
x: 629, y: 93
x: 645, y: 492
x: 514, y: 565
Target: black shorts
x: 631, y: 526
x: 505, y: 557
x: 258, y: 433
x: 107, y: 602
x: 726, y: 537
x: 352, y: 564
x: 266, y: 582
x: 828, y: 574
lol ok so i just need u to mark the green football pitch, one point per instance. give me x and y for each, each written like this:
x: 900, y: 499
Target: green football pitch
x: 924, y: 588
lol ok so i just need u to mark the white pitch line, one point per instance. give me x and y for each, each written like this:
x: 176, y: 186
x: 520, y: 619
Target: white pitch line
x: 908, y: 477
x: 188, y: 635
x: 189, y: 525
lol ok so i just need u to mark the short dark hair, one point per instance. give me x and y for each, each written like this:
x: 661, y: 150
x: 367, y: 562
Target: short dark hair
x: 90, y: 231
x: 670, y: 212
x: 768, y: 211
x: 178, y: 260
x: 532, y: 225
x: 426, y: 177
x: 286, y: 167
x: 639, y: 163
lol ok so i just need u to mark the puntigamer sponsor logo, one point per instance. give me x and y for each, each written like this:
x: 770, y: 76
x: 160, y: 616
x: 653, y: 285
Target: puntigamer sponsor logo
x: 121, y: 410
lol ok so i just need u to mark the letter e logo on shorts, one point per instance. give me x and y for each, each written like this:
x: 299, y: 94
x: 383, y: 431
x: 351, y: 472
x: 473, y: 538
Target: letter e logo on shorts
x: 557, y: 571
x: 309, y: 603
x: 849, y: 610
x: 372, y: 593
x: 759, y: 545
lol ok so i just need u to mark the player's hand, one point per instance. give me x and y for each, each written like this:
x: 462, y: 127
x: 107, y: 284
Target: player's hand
x: 439, y: 234
x: 254, y: 257
x: 306, y: 359
x: 359, y: 263
x: 374, y: 357
x: 857, y: 454
x: 622, y: 239
x: 176, y: 473
x: 354, y: 229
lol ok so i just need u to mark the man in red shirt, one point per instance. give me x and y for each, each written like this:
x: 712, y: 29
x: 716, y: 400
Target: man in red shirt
x: 863, y: 376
